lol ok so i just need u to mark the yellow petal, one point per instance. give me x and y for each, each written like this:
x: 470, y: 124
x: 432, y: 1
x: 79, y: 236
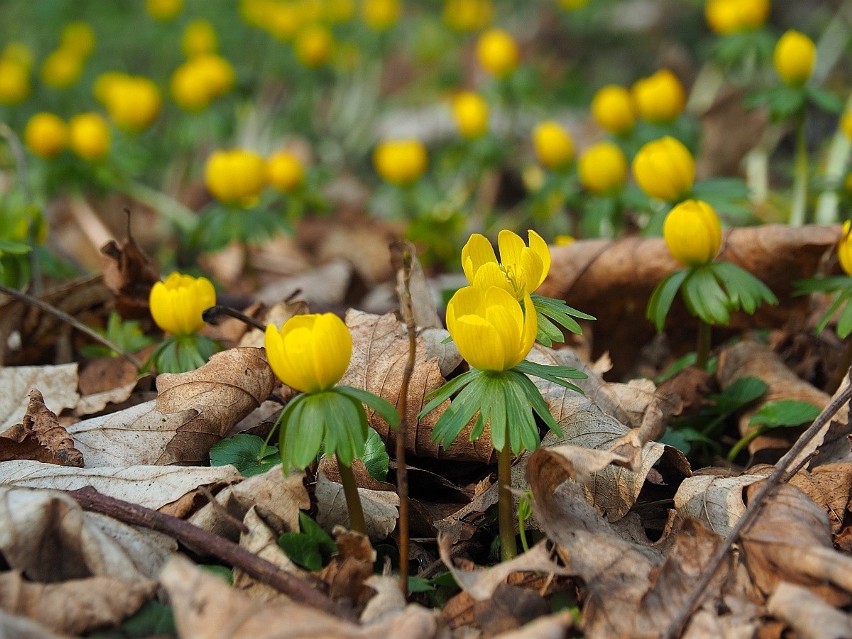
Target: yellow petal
x: 490, y: 274
x: 274, y: 346
x: 476, y: 252
x: 529, y: 331
x: 504, y: 313
x: 479, y: 343
x: 540, y: 248
x: 332, y: 349
x: 527, y: 273
x: 511, y: 246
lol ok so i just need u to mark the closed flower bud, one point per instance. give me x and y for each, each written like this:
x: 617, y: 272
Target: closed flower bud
x: 553, y: 146
x: 284, y: 171
x: 400, y: 161
x: 731, y: 16
x: 177, y: 303
x: 602, y: 167
x: 199, y: 81
x: 199, y: 37
x: 693, y: 233
x: 844, y: 249
x: 846, y: 125
x: 46, y: 135
x: 470, y: 111
x: 468, y: 15
x: 794, y: 58
x: 133, y: 102
x: 79, y: 37
x: 62, y: 68
x: 612, y: 109
x: 310, y: 353
x: 497, y: 52
x: 490, y: 328
x: 664, y: 169
x: 659, y: 98
x: 14, y: 82
x: 163, y: 9
x: 235, y: 177
x: 313, y: 45
x: 89, y: 136
x: 380, y: 15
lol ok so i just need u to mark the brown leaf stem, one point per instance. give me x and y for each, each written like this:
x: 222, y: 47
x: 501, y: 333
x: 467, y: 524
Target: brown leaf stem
x: 782, y: 472
x: 199, y: 539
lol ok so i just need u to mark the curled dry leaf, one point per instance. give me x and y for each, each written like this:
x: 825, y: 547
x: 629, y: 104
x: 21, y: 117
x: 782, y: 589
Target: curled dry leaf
x: 716, y: 501
x: 193, y: 411
x: 49, y: 537
x: 76, y: 606
x: 40, y: 437
x: 105, y: 380
x: 554, y: 626
x: 381, y: 507
x: 16, y: 627
x: 387, y: 601
x: 353, y: 564
x: 807, y: 613
x: 129, y: 274
x: 58, y: 386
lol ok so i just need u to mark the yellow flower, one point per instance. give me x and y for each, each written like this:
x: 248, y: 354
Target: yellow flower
x: 380, y: 15
x: 612, y: 109
x: 468, y: 15
x: 602, y: 167
x: 664, y: 169
x: 313, y: 45
x: 14, y: 81
x: 844, y: 249
x: 729, y: 16
x: 18, y: 52
x: 659, y: 98
x: 200, y: 80
x: 794, y: 58
x: 553, y: 146
x: 62, y: 68
x: 310, y: 353
x: 693, y: 233
x: 497, y: 52
x: 564, y: 240
x: 846, y: 125
x: 133, y: 102
x: 177, y: 303
x: 470, y: 111
x: 489, y: 327
x: 521, y: 268
x: 235, y: 177
x: 284, y: 171
x: 78, y: 37
x: 163, y: 9
x: 400, y: 161
x: 573, y: 5
x: 216, y: 71
x: 45, y: 135
x: 89, y: 136
x: 199, y: 37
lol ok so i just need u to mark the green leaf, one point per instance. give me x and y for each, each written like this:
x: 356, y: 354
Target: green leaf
x: 302, y: 550
x: 345, y: 425
x: 539, y: 406
x: 459, y: 412
x: 153, y: 619
x: 553, y: 374
x: 784, y: 412
x: 223, y: 572
x: 376, y: 458
x: 825, y: 100
x: 246, y: 453
x: 704, y: 297
x: 662, y: 297
x: 443, y: 393
x: 419, y: 584
x: 744, y: 290
x: 738, y: 394
x: 523, y: 431
x: 822, y: 284
x: 844, y: 322
x: 548, y: 332
x: 385, y: 409
x: 316, y: 532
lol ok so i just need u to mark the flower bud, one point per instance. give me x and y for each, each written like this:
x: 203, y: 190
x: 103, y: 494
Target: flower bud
x: 659, y: 98
x: 612, y: 109
x: 554, y: 147
x: 844, y: 248
x: 89, y: 136
x: 235, y: 177
x: 284, y: 171
x: 62, y: 68
x: 497, y: 52
x: 731, y: 16
x: 693, y: 233
x: 313, y: 46
x: 46, y: 135
x: 380, y: 15
x: 400, y: 161
x: 470, y: 112
x: 664, y: 169
x: 794, y: 58
x: 602, y: 167
x: 177, y: 303
x: 14, y: 81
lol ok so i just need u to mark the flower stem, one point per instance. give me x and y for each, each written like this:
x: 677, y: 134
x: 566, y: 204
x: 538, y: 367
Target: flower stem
x: 353, y: 500
x: 505, y: 517
x: 800, y: 177
x: 702, y: 351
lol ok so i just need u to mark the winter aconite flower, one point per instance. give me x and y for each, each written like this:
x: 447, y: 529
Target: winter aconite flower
x: 844, y: 248
x: 664, y: 169
x: 602, y: 167
x: 730, y: 16
x: 470, y: 112
x: 284, y: 171
x: 400, y: 161
x: 62, y: 68
x: 659, y: 98
x: 14, y: 81
x: 163, y: 9
x: 553, y: 145
x: 794, y: 58
x: 199, y: 37
x: 612, y: 108
x: 235, y: 176
x: 133, y: 102
x: 467, y: 15
x: 313, y: 45
x: 693, y: 233
x: 521, y: 268
x: 177, y: 303
x: 380, y: 15
x: 89, y: 136
x: 46, y: 135
x: 497, y: 52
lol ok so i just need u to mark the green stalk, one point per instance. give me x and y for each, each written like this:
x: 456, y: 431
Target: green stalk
x: 702, y: 351
x: 798, y: 209
x: 506, y: 518
x: 353, y: 500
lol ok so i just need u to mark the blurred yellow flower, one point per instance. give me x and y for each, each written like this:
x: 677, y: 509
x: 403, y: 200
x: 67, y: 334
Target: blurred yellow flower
x: 380, y: 15
x: 794, y: 58
x: 612, y: 109
x: 573, y: 5
x: 18, y: 52
x: 89, y: 136
x: 664, y: 169
x: 79, y: 37
x: 468, y: 15
x: 844, y: 248
x: 400, y: 161
x: 14, y: 82
x: 659, y: 98
x: 520, y: 270
x: 846, y: 125
x: 470, y: 112
x: 339, y: 10
x: 284, y: 171
x: 199, y: 37
x: 602, y: 167
x: 177, y: 303
x: 133, y: 102
x: 235, y: 176
x: 564, y: 240
x: 61, y: 68
x: 729, y: 16
x: 497, y: 52
x: 46, y: 135
x: 281, y: 19
x: 163, y: 9
x: 553, y: 145
x: 200, y: 80
x: 490, y: 328
x: 310, y: 353
x: 313, y: 45
x: 692, y: 233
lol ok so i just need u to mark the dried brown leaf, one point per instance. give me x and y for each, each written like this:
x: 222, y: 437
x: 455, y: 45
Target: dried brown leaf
x: 40, y: 437
x: 381, y: 507
x: 105, y: 380
x: 808, y: 614
x: 716, y: 501
x: 554, y: 626
x: 58, y: 386
x: 16, y: 627
x: 76, y: 606
x: 129, y: 274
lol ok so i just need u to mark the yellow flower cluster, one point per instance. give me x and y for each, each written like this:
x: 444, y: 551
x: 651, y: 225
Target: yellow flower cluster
x: 730, y: 16
x: 63, y: 67
x: 200, y: 80
x: 177, y: 303
x: 133, y: 102
x: 46, y: 135
x: 237, y: 176
x: 400, y: 161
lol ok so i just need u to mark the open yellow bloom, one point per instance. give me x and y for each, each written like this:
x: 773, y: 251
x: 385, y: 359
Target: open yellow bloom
x: 310, y: 353
x: 659, y: 98
x: 400, y: 161
x: 470, y: 111
x: 489, y: 327
x: 497, y: 52
x: 844, y: 249
x: 693, y: 233
x: 521, y: 268
x: 177, y: 303
x: 794, y: 58
x: 602, y: 167
x: 553, y: 145
x: 235, y: 176
x: 46, y: 134
x: 664, y: 169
